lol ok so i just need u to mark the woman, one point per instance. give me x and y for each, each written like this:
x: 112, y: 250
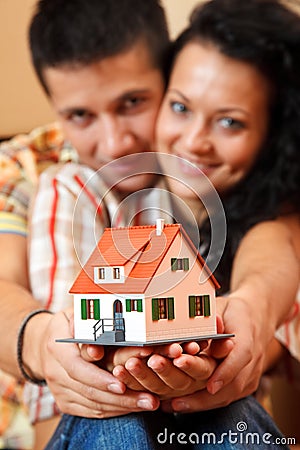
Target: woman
x: 231, y: 110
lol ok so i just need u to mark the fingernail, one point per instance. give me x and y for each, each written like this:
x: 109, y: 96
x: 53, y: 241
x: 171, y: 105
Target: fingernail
x: 91, y: 352
x: 216, y: 387
x: 145, y: 352
x: 115, y: 388
x: 179, y: 405
x: 144, y: 403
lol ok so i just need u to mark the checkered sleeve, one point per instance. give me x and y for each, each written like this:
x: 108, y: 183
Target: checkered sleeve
x: 22, y: 159
x: 62, y: 233
x: 289, y: 333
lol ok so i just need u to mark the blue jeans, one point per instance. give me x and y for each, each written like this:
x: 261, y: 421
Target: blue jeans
x: 241, y: 425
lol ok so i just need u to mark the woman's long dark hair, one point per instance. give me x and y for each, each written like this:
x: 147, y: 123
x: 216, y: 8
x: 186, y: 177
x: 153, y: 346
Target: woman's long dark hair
x: 265, y: 34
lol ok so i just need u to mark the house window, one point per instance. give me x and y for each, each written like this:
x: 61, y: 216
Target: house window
x: 163, y: 308
x: 101, y: 273
x: 90, y: 309
x: 116, y: 273
x: 134, y: 305
x: 199, y: 305
x: 179, y: 264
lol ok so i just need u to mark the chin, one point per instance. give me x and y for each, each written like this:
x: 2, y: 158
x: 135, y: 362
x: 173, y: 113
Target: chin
x: 135, y: 183
x: 192, y: 190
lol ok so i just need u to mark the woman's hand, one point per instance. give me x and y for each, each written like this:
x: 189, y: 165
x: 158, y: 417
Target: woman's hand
x: 163, y: 370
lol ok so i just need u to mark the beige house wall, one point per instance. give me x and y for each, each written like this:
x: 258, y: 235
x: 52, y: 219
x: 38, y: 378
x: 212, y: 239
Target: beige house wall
x: 23, y: 104
x: 179, y: 285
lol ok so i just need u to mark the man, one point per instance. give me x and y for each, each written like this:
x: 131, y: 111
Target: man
x: 102, y: 66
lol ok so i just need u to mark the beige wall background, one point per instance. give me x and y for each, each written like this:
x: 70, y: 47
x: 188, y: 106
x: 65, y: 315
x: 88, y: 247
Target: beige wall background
x: 23, y: 104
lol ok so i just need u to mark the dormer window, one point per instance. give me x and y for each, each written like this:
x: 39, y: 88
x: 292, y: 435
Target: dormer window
x: 179, y: 264
x: 116, y: 273
x: 105, y: 275
x: 101, y: 273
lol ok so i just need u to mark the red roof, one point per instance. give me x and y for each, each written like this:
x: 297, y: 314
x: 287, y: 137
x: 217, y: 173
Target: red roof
x: 139, y: 245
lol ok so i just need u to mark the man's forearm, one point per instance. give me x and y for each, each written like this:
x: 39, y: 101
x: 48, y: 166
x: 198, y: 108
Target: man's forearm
x: 15, y: 303
x: 266, y: 271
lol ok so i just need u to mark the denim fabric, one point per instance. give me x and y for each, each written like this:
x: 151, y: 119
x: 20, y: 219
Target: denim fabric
x: 241, y: 425
x: 130, y: 432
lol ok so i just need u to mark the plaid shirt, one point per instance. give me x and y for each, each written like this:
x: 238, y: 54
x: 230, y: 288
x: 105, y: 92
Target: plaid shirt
x: 22, y: 159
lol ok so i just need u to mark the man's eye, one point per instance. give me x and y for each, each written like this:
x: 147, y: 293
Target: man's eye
x: 230, y: 123
x: 178, y: 107
x: 80, y: 117
x: 132, y: 102
x: 80, y: 114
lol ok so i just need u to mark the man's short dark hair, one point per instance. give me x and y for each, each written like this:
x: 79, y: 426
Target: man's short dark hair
x: 80, y: 32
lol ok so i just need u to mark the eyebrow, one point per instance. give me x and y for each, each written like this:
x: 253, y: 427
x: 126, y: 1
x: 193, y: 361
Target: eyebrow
x: 127, y: 94
x: 175, y: 91
x: 71, y: 110
x: 122, y: 97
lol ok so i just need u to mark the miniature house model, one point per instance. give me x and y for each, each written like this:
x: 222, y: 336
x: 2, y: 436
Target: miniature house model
x: 142, y: 285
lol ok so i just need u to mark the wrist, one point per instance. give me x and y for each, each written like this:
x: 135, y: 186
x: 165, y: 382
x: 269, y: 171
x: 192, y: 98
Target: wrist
x: 28, y: 345
x: 257, y: 308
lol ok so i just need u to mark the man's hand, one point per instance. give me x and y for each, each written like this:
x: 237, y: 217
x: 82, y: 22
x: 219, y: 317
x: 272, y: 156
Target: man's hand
x: 80, y: 387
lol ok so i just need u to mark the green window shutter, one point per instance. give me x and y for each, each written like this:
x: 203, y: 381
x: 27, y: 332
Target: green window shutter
x: 173, y: 264
x: 186, y: 264
x: 192, y: 305
x: 83, y: 309
x: 171, y: 314
x: 155, y: 312
x: 206, y: 305
x: 97, y: 309
x: 128, y: 305
x: 140, y: 305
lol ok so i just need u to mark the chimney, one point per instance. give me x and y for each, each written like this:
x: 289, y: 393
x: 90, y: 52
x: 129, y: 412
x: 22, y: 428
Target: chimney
x: 159, y: 226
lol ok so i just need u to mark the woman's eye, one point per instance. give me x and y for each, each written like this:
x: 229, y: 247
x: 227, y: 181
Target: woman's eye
x: 178, y: 107
x: 229, y: 122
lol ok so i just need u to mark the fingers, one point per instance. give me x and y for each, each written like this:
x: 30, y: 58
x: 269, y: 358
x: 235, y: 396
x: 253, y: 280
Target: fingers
x: 172, y: 377
x: 203, y: 400
x: 87, y: 402
x: 160, y: 377
x: 125, y: 377
x: 197, y: 367
x: 79, y: 386
x: 165, y: 377
x: 145, y: 376
x: 92, y: 353
x: 221, y: 348
x: 169, y: 351
x: 193, y: 348
x: 230, y: 370
x: 120, y: 355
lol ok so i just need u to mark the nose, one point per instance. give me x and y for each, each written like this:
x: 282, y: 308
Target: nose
x: 116, y: 139
x: 195, y: 138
